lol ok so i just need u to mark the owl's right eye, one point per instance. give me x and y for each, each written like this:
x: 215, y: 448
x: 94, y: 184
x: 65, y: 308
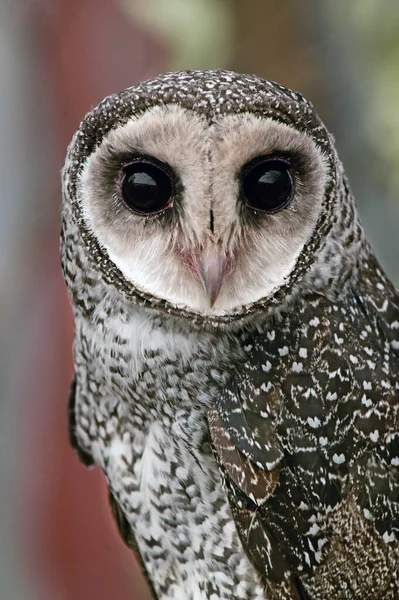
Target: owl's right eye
x: 146, y: 187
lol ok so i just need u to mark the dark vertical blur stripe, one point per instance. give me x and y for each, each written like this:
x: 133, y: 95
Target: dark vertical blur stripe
x: 92, y: 49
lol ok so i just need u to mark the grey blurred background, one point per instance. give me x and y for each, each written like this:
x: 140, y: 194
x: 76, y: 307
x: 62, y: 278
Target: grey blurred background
x: 58, y: 58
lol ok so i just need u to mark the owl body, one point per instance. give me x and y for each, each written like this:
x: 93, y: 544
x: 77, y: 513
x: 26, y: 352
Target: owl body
x: 236, y: 351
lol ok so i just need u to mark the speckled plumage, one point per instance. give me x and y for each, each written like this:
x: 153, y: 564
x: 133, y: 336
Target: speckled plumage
x: 290, y: 400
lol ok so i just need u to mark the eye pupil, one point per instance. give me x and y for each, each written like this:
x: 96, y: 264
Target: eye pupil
x: 267, y: 185
x: 146, y: 187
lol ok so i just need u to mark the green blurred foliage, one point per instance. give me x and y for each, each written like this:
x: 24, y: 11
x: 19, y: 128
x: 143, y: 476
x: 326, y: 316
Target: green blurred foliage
x: 199, y: 33
x: 375, y: 27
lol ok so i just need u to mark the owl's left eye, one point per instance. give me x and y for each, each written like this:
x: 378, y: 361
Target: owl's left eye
x: 147, y: 188
x: 267, y: 184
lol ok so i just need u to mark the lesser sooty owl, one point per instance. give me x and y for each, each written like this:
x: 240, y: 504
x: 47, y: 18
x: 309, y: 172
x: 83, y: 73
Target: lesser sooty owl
x: 236, y: 344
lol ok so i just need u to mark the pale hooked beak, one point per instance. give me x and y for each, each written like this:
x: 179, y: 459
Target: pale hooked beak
x: 211, y: 262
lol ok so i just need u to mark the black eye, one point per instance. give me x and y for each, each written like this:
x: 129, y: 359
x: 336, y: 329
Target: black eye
x: 267, y: 185
x: 147, y: 188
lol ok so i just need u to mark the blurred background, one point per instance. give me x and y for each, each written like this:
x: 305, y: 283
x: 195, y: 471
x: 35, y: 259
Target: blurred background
x: 58, y: 58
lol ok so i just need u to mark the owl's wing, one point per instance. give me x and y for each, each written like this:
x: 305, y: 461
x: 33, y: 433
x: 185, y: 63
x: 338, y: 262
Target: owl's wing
x: 306, y: 438
x: 127, y: 535
x: 83, y: 456
x: 123, y: 526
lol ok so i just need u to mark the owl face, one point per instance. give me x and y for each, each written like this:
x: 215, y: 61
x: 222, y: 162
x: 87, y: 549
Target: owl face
x: 209, y: 215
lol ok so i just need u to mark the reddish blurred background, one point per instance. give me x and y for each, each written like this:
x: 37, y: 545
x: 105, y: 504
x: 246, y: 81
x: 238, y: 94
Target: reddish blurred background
x: 58, y: 58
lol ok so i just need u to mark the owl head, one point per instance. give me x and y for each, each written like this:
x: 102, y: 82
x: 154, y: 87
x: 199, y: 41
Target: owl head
x: 207, y: 194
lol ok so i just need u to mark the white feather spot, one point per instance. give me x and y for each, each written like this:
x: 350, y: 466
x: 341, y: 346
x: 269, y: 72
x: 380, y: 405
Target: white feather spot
x: 367, y: 514
x: 389, y: 537
x: 366, y: 401
x: 314, y: 422
x: 339, y: 459
x: 265, y: 387
x: 267, y: 366
x: 314, y: 530
x: 374, y: 435
x: 315, y: 322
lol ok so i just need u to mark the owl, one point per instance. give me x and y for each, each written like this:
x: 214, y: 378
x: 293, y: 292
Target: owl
x: 236, y: 344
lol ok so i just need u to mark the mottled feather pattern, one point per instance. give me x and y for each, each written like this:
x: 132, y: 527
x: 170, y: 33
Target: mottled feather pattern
x: 254, y: 454
x: 126, y: 533
x: 160, y: 468
x: 255, y: 481
x: 333, y: 404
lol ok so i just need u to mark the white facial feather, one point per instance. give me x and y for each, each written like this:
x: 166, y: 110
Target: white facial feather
x: 207, y: 158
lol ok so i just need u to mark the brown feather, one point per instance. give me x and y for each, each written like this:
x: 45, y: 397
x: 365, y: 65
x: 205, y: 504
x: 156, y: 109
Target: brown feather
x: 256, y: 483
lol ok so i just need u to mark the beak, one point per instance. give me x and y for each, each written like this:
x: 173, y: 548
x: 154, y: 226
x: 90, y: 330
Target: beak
x: 211, y: 262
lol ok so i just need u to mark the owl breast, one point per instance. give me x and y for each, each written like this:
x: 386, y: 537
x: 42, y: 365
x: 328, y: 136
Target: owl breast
x: 173, y: 500
x: 145, y: 426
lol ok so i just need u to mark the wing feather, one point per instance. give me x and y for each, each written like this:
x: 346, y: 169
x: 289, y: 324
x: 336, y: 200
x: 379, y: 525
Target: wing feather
x: 318, y: 418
